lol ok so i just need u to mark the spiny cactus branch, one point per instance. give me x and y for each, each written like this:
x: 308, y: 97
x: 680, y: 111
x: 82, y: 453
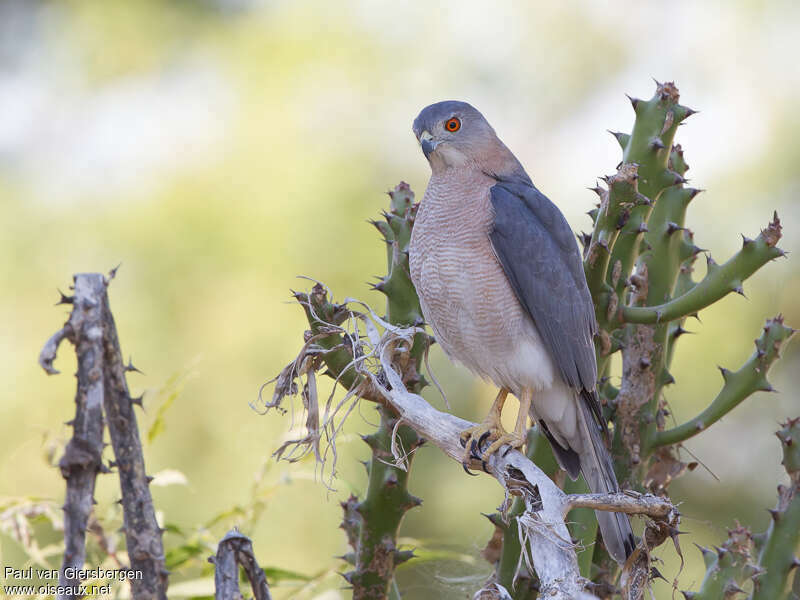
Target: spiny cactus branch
x: 778, y: 555
x: 728, y: 568
x: 739, y: 385
x: 719, y: 281
x: 379, y: 515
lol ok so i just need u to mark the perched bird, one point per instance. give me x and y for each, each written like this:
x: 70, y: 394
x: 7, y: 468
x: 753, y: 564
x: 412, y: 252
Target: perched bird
x: 501, y: 283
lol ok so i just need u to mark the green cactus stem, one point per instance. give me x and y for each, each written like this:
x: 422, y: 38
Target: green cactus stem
x: 779, y: 552
x: 372, y: 524
x: 727, y: 568
x: 719, y: 281
x: 387, y: 500
x: 648, y: 146
x: 375, y: 551
x: 750, y: 378
x: 616, y: 204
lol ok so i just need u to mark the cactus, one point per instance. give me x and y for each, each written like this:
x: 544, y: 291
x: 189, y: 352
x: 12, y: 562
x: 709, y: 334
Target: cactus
x: 371, y: 525
x: 639, y: 262
x: 378, y: 516
x: 727, y: 567
x: 778, y: 555
x: 730, y: 568
x: 750, y: 378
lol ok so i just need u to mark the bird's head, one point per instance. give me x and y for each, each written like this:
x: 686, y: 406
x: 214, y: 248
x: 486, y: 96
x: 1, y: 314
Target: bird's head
x: 453, y: 134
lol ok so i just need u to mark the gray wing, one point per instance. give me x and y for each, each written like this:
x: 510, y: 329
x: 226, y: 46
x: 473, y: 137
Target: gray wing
x: 540, y: 257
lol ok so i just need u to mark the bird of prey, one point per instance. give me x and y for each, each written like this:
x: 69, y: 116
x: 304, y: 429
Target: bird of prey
x: 501, y: 283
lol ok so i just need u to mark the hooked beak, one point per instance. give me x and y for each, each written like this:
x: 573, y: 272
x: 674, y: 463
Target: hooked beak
x: 428, y: 144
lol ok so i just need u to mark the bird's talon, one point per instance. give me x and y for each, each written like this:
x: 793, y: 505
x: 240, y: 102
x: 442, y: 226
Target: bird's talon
x: 507, y: 450
x: 466, y: 469
x: 483, y: 465
x: 481, y: 439
x: 475, y: 450
x: 463, y: 441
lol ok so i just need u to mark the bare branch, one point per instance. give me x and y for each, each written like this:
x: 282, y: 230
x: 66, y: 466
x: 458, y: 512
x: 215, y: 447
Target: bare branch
x: 50, y: 349
x: 631, y: 503
x: 102, y: 389
x: 142, y: 533
x: 82, y: 459
x: 543, y: 531
x: 233, y: 550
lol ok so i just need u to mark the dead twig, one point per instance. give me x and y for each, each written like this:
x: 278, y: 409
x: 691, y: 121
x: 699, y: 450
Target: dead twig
x: 233, y: 550
x: 102, y: 388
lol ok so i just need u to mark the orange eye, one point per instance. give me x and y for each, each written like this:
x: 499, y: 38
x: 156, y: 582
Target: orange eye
x: 452, y: 124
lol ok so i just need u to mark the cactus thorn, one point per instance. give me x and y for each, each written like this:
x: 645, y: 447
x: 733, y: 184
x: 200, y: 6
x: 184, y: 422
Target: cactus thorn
x: 137, y: 400
x: 687, y: 595
x: 679, y: 331
x: 739, y: 290
x: 732, y: 588
x: 64, y: 299
x: 657, y: 144
x: 597, y: 190
x: 673, y: 227
x: 130, y: 367
x: 348, y: 577
x: 702, y: 549
x: 710, y: 262
x: 642, y: 228
x: 775, y: 514
x: 634, y: 101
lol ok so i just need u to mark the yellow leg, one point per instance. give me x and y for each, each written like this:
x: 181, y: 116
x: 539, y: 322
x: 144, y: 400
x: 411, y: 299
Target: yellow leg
x: 516, y: 439
x: 490, y: 423
x: 492, y: 429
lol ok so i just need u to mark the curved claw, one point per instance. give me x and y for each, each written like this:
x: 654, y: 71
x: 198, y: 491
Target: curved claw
x: 466, y: 469
x: 475, y: 450
x: 463, y: 441
x: 481, y: 439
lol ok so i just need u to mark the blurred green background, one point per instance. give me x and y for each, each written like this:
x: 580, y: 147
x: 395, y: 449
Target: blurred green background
x: 220, y: 148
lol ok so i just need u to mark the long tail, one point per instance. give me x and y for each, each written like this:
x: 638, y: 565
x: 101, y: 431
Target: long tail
x: 598, y: 471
